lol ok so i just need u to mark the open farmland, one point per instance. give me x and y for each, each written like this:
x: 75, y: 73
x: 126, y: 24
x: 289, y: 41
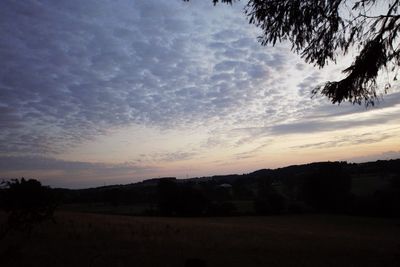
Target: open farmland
x: 79, y: 239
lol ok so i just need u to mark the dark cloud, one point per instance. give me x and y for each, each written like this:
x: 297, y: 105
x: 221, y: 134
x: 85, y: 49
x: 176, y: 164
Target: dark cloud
x: 22, y: 163
x: 318, y: 125
x: 82, y: 68
x: 56, y: 172
x: 323, y: 125
x: 325, y: 110
x: 9, y: 118
x: 71, y: 70
x: 367, y: 138
x: 381, y: 156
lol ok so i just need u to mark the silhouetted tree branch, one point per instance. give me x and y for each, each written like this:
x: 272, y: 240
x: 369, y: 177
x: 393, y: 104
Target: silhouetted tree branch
x: 321, y: 30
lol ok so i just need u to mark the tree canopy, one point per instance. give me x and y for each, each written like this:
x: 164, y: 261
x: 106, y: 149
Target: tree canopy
x: 321, y: 30
x: 26, y: 202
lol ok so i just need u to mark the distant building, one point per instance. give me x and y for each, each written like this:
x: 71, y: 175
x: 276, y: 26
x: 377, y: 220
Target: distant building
x: 225, y: 186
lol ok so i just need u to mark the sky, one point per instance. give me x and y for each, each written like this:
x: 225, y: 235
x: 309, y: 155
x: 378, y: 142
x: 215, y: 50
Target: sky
x: 101, y: 92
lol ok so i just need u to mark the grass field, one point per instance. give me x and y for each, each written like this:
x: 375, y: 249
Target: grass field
x: 80, y: 239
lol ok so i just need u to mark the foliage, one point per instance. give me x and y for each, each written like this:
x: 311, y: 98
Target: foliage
x: 384, y: 202
x: 26, y: 202
x: 272, y: 203
x: 328, y: 188
x: 320, y: 30
x: 175, y: 200
x: 268, y: 200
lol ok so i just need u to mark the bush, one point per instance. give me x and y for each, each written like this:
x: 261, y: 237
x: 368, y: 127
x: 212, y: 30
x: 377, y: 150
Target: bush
x: 328, y: 189
x: 26, y: 202
x: 180, y: 200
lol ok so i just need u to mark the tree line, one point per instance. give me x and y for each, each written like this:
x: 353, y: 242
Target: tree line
x: 328, y: 187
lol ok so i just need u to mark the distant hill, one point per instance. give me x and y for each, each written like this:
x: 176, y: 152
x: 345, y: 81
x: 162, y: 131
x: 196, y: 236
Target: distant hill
x: 371, y: 188
x: 381, y: 168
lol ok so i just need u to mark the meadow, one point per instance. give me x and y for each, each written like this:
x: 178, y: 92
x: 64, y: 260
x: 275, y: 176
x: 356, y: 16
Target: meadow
x: 83, y: 239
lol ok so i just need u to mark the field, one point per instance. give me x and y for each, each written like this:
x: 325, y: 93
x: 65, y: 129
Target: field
x: 79, y: 239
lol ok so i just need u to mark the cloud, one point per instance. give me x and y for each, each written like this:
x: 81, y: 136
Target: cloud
x: 373, y: 157
x: 251, y: 153
x: 75, y: 174
x: 349, y: 140
x: 332, y: 124
x: 339, y: 123
x: 71, y: 71
x: 21, y: 163
x: 325, y: 110
x: 166, y: 157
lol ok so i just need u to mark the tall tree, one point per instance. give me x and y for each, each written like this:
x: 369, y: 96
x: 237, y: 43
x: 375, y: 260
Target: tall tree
x: 322, y: 30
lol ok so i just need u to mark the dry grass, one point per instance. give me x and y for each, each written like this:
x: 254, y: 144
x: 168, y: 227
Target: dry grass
x: 102, y: 240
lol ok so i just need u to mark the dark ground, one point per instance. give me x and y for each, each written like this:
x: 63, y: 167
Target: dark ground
x: 80, y: 239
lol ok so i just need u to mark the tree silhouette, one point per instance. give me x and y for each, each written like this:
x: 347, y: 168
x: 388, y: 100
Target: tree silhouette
x: 179, y: 200
x: 26, y: 202
x: 328, y: 188
x: 321, y: 30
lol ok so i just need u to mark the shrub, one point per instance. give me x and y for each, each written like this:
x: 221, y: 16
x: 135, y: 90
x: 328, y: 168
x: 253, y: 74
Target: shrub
x: 26, y: 202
